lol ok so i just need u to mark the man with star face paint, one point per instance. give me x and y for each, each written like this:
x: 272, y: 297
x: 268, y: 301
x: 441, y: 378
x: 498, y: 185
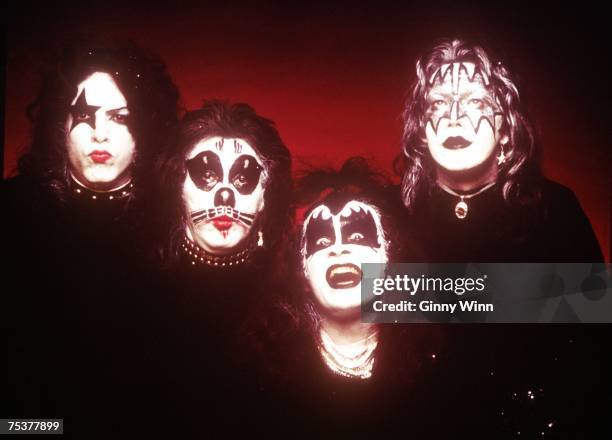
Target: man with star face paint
x: 101, y: 148
x: 471, y: 179
x: 104, y: 112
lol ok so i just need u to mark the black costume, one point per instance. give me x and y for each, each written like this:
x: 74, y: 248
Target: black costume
x: 554, y: 230
x: 82, y: 320
x: 488, y: 367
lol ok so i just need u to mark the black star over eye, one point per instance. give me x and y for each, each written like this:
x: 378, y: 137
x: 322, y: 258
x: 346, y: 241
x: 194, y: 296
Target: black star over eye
x: 83, y: 112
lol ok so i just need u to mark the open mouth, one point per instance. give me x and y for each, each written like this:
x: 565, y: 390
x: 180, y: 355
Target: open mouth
x: 223, y: 223
x: 343, y: 276
x: 100, y: 156
x: 456, y: 143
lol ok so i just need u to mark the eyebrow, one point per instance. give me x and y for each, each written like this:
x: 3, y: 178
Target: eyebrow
x: 118, y: 109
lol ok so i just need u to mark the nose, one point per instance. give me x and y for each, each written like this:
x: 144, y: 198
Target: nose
x: 100, y: 133
x: 454, y: 113
x: 225, y: 197
x: 337, y: 250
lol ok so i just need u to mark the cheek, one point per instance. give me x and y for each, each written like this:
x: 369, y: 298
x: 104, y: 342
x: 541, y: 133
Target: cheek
x: 316, y: 267
x: 194, y: 198
x: 79, y: 138
x: 122, y: 140
x: 250, y: 203
x: 486, y: 138
x: 431, y: 138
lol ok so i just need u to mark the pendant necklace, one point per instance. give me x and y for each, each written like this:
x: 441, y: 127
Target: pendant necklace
x: 461, y: 208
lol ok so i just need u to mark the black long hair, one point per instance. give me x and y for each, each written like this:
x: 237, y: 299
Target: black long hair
x: 152, y: 98
x: 286, y: 335
x: 354, y: 180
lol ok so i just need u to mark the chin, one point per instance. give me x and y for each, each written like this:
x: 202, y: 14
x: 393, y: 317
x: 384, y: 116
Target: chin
x: 343, y: 301
x: 462, y: 161
x: 213, y: 241
x: 103, y: 175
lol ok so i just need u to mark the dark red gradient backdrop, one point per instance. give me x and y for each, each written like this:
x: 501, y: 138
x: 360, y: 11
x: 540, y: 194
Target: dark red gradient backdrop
x: 333, y: 75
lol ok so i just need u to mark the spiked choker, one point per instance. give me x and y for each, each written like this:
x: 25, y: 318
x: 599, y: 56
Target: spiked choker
x: 82, y: 193
x: 197, y: 255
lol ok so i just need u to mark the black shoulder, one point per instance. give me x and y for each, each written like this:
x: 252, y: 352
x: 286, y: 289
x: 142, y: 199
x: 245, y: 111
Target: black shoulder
x: 568, y: 225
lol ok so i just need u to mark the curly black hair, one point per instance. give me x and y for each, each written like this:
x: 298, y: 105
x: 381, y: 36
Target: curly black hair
x: 355, y: 180
x: 153, y: 100
x: 285, y: 335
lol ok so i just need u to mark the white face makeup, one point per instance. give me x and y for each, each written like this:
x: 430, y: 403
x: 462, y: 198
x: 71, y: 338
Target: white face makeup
x: 100, y: 145
x: 334, y: 247
x: 463, y: 117
x: 223, y: 193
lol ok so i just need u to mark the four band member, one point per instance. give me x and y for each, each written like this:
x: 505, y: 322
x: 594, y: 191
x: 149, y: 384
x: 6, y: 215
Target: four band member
x: 215, y: 200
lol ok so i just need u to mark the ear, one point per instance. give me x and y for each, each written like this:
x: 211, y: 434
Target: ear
x: 504, y: 140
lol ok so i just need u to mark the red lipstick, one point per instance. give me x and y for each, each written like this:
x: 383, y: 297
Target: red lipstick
x: 100, y: 156
x: 223, y: 223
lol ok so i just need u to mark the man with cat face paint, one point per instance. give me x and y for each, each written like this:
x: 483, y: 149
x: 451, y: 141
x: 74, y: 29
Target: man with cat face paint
x: 104, y: 112
x: 225, y: 215
x: 227, y: 186
x: 224, y: 194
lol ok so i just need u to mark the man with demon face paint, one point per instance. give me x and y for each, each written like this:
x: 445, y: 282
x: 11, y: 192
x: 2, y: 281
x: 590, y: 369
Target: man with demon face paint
x: 320, y: 348
x: 319, y: 354
x: 471, y: 180
x: 104, y: 112
x: 338, y: 236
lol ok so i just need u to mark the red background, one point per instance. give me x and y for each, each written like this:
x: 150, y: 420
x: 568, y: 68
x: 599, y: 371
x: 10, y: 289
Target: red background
x: 333, y: 76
